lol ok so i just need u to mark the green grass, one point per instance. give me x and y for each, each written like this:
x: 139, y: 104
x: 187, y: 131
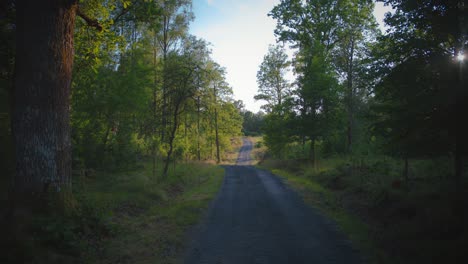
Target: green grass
x: 390, y: 220
x: 317, y: 196
x: 125, y: 216
x: 148, y: 220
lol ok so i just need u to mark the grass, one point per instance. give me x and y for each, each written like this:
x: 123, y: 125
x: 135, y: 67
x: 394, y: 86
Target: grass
x: 230, y: 157
x: 148, y: 221
x: 125, y: 216
x: 259, y: 149
x: 390, y: 220
x: 317, y: 196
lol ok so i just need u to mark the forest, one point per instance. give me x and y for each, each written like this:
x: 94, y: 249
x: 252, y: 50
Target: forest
x: 134, y: 87
x: 376, y: 117
x: 114, y: 120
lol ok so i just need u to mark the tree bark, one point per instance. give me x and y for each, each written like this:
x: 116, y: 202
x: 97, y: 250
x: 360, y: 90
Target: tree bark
x: 171, y: 139
x: 350, y: 96
x: 459, y: 135
x: 198, y: 129
x: 218, y: 157
x: 155, y: 111
x: 165, y: 49
x: 313, y: 154
x: 406, y: 170
x: 44, y: 61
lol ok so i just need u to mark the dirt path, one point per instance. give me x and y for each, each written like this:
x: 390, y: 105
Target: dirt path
x: 258, y: 219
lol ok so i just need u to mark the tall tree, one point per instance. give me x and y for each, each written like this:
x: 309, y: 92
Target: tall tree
x: 42, y: 96
x: 359, y: 29
x: 313, y: 27
x: 220, y: 90
x: 182, y: 85
x: 423, y: 42
x: 175, y: 18
x: 273, y: 87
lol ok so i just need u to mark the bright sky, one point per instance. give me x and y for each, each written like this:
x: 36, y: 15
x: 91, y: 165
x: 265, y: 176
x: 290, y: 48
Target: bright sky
x: 240, y: 32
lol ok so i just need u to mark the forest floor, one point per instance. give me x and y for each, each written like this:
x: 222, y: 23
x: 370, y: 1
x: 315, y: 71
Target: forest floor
x: 146, y: 221
x: 124, y: 216
x: 255, y: 218
x: 389, y: 220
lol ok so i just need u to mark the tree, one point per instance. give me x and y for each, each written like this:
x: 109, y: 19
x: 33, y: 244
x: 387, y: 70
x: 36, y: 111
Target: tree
x: 220, y: 89
x: 273, y: 87
x: 418, y: 62
x: 182, y: 84
x: 313, y: 27
x: 41, y: 104
x: 359, y: 29
x: 175, y: 18
x: 252, y: 123
x: 7, y: 59
x: 42, y: 97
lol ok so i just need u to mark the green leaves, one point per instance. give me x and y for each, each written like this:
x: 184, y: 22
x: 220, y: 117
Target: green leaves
x: 143, y: 77
x: 126, y: 4
x: 274, y: 88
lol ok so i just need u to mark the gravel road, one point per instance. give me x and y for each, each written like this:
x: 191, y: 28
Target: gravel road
x: 257, y: 219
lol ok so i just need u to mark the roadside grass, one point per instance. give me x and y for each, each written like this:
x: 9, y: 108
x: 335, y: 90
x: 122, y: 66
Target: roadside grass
x: 259, y: 149
x: 388, y: 219
x: 124, y: 216
x: 230, y: 157
x: 317, y: 196
x: 147, y: 221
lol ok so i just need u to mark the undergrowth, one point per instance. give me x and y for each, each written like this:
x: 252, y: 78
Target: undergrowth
x: 391, y: 220
x: 122, y: 217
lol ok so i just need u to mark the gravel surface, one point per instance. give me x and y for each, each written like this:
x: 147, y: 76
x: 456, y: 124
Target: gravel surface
x: 257, y: 219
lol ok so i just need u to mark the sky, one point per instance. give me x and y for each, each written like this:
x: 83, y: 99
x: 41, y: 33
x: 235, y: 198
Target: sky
x: 240, y: 32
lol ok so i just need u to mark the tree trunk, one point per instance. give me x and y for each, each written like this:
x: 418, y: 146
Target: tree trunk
x: 459, y: 135
x: 165, y: 48
x: 44, y: 60
x: 406, y: 170
x: 154, y: 153
x: 350, y: 97
x: 313, y: 154
x: 218, y: 158
x: 198, y: 128
x: 171, y: 139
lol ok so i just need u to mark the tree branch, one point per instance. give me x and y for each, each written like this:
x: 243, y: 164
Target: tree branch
x: 90, y: 21
x: 121, y: 14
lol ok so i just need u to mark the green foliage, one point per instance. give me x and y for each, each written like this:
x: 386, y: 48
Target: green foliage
x: 417, y: 65
x: 277, y: 133
x: 361, y: 92
x: 332, y: 40
x: 371, y: 203
x: 252, y: 123
x: 271, y: 78
x: 143, y: 86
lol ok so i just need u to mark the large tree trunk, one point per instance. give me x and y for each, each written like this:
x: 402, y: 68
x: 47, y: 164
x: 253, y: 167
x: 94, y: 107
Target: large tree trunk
x: 44, y: 59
